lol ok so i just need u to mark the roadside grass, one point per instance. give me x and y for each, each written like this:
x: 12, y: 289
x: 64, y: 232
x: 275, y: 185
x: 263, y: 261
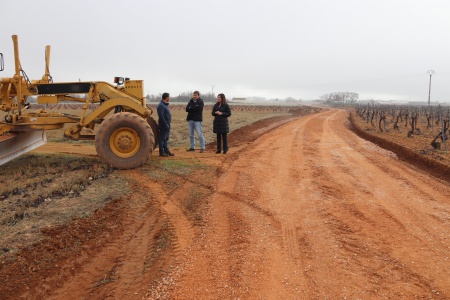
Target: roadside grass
x: 180, y: 167
x: 160, y: 168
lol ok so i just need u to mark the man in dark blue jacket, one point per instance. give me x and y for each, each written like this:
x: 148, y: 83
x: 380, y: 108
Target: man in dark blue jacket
x: 194, y: 108
x: 164, y: 120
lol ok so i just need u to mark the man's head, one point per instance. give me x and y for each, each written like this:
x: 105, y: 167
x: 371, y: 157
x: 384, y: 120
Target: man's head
x: 196, y: 95
x: 165, y: 97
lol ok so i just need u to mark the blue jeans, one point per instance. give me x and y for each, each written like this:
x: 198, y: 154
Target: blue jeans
x: 197, y: 127
x: 163, y: 138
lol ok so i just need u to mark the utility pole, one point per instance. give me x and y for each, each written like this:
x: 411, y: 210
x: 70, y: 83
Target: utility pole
x: 431, y: 73
x: 212, y: 91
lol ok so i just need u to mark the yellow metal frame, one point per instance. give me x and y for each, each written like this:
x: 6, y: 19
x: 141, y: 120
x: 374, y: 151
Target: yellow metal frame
x: 15, y: 90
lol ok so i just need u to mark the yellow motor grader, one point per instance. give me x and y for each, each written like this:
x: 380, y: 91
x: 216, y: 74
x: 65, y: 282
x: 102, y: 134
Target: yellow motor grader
x: 126, y: 135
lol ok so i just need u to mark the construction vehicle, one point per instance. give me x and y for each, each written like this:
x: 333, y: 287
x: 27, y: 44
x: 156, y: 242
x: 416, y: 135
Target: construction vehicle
x: 125, y: 137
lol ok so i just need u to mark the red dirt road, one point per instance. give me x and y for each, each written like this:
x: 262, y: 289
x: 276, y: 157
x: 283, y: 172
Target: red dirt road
x: 311, y: 211
x: 306, y: 211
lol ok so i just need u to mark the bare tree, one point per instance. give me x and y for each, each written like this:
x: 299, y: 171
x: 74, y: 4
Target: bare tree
x: 341, y: 97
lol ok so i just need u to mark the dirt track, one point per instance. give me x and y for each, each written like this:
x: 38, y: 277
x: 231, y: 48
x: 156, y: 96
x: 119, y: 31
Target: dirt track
x: 311, y: 211
x: 308, y: 211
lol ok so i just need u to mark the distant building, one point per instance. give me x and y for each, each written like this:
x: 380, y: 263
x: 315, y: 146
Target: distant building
x: 238, y: 99
x: 392, y: 102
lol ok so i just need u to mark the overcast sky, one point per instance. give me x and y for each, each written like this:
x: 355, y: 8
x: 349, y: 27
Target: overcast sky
x: 380, y: 49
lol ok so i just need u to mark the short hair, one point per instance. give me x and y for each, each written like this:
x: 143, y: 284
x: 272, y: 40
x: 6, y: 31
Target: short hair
x: 197, y: 92
x: 165, y: 95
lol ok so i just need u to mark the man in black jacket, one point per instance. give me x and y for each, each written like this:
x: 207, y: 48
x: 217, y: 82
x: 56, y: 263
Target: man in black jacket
x: 194, y: 118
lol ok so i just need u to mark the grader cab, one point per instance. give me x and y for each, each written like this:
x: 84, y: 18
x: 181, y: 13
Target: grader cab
x: 126, y: 135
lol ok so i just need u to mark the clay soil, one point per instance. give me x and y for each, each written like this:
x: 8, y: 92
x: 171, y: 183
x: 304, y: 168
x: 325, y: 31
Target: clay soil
x: 300, y: 208
x: 415, y: 149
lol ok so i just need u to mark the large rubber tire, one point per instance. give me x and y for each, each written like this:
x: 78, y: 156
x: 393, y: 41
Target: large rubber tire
x: 124, y: 140
x: 155, y: 130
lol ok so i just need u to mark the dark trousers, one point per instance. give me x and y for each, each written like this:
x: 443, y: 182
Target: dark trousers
x: 163, y: 138
x: 220, y: 137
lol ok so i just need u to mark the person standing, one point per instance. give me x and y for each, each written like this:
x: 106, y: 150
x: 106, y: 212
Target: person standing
x: 164, y: 120
x: 221, y: 112
x: 194, y: 108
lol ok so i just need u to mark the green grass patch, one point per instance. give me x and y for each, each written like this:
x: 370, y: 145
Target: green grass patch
x: 180, y: 167
x: 158, y: 168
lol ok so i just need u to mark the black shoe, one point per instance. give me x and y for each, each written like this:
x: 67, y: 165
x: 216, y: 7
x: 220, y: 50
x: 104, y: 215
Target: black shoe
x: 217, y: 152
x: 224, y: 152
x: 170, y: 154
x: 202, y: 150
x: 190, y: 149
x: 164, y: 154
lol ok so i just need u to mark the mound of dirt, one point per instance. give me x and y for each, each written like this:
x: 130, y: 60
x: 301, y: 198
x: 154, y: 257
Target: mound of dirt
x: 421, y: 158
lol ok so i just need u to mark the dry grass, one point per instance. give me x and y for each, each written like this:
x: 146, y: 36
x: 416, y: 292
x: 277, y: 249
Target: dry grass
x: 37, y: 191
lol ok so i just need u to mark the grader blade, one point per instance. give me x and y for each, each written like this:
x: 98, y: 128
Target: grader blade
x: 13, y: 145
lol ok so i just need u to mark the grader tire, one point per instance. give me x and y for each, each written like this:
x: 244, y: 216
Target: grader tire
x: 124, y: 140
x: 155, y: 130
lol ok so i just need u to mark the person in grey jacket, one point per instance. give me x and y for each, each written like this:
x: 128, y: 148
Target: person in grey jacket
x: 194, y: 108
x: 164, y: 120
x: 221, y: 111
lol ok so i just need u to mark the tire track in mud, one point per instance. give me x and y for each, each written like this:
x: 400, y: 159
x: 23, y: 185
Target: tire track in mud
x: 246, y: 201
x: 330, y: 184
x: 126, y: 266
x: 355, y: 218
x: 183, y: 229
x: 328, y: 215
x: 123, y: 265
x: 409, y: 180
